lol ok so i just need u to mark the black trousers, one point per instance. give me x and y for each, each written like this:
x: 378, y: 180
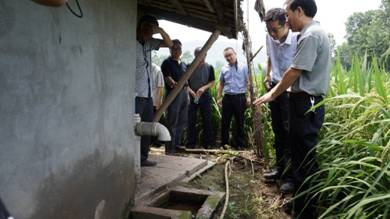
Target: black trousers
x: 233, y: 105
x: 144, y: 107
x: 177, y: 120
x: 304, y: 130
x: 280, y: 126
x: 4, y: 214
x: 204, y: 106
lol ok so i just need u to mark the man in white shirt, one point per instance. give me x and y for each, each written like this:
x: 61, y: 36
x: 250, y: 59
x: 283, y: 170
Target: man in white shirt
x: 158, y: 86
x: 281, y: 47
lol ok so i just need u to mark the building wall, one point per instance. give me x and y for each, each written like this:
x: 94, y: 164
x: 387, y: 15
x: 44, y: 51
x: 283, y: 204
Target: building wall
x: 66, y: 106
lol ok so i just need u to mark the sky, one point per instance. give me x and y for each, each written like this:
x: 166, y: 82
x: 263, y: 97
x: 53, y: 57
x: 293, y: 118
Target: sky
x: 332, y: 14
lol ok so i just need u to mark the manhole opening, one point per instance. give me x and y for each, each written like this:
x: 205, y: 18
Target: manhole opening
x: 183, y: 201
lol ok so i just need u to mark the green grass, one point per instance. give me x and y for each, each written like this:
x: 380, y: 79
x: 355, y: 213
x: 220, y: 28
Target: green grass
x: 354, y: 150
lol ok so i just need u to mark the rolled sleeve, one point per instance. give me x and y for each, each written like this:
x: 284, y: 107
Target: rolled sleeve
x: 306, y: 54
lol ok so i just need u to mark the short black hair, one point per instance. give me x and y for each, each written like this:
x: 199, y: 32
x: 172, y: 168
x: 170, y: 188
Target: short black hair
x: 276, y: 14
x: 197, y: 50
x: 309, y: 7
x: 148, y: 18
x: 229, y: 48
x: 176, y: 42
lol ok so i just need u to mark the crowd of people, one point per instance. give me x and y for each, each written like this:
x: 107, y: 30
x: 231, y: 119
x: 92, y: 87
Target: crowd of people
x: 194, y: 97
x: 297, y: 78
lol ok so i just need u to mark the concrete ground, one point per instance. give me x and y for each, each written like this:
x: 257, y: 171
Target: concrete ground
x: 169, y: 171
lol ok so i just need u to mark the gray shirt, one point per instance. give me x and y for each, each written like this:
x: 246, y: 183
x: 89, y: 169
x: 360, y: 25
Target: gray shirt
x: 143, y: 76
x: 313, y: 57
x: 203, y: 75
x: 281, y: 55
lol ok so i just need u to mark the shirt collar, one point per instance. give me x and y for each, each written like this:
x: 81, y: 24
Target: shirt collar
x: 235, y: 65
x: 303, y: 31
x: 176, y: 61
x: 288, y: 40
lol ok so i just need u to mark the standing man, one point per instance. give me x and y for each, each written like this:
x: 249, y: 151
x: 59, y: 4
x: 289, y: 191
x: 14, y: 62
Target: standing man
x: 233, y: 82
x: 147, y: 26
x: 173, y: 69
x: 200, y: 98
x: 281, y: 47
x: 309, y: 79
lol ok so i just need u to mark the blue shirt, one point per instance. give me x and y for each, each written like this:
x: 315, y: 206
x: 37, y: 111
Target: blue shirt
x: 234, y: 78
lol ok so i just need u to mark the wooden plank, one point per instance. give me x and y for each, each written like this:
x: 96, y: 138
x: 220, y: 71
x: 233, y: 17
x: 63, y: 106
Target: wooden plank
x: 227, y: 30
x: 209, y: 6
x: 179, y: 7
x: 187, y: 75
x: 219, y: 6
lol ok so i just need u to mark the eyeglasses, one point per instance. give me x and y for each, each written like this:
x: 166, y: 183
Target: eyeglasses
x: 274, y: 30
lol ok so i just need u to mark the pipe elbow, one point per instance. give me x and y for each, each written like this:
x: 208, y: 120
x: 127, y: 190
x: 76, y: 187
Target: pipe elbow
x: 153, y: 129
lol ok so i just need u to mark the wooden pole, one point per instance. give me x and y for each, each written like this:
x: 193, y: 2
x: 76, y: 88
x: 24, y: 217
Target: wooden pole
x: 257, y: 127
x: 172, y: 95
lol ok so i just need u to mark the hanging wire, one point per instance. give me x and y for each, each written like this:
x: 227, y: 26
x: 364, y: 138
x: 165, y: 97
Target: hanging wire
x: 80, y: 14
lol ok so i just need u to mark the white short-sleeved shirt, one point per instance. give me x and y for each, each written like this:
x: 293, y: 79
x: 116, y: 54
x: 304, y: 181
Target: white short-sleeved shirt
x: 158, y: 81
x: 281, y: 55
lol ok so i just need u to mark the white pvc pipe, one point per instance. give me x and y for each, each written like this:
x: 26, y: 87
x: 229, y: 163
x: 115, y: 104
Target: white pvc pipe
x: 152, y: 129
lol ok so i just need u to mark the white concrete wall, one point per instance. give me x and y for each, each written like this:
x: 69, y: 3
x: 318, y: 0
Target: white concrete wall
x: 66, y: 106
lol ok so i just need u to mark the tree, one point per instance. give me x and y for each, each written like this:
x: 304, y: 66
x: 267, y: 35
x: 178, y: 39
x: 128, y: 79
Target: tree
x: 187, y: 57
x: 158, y: 58
x: 368, y: 32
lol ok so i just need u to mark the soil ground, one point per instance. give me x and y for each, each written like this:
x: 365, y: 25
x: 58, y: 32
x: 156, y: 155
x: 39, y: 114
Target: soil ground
x: 250, y: 197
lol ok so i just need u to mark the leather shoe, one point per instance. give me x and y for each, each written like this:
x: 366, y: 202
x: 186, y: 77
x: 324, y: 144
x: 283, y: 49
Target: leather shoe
x: 148, y: 163
x: 272, y: 176
x: 287, y: 188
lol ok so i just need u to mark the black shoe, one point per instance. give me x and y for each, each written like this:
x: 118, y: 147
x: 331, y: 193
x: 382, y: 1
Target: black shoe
x: 288, y: 207
x: 287, y: 188
x: 148, y: 163
x: 272, y: 176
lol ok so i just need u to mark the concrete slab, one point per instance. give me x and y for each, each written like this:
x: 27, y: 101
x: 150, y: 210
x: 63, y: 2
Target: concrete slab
x: 179, y: 203
x: 169, y: 171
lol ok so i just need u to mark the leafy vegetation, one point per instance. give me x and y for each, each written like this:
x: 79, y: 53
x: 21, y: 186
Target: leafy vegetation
x: 354, y: 151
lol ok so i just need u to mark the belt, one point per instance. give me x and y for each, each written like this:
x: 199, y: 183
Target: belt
x: 300, y: 94
x: 233, y: 95
x: 143, y: 98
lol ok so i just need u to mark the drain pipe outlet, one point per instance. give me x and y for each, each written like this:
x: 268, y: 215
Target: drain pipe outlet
x: 152, y: 129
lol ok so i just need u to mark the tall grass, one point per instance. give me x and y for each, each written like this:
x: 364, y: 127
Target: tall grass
x: 354, y: 150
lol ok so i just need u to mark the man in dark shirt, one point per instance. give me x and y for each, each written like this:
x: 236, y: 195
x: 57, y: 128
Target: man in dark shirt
x: 173, y: 69
x: 200, y: 98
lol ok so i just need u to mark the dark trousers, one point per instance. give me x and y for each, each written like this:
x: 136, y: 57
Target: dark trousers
x: 144, y: 107
x: 304, y: 129
x: 177, y: 119
x: 233, y: 105
x: 204, y: 106
x: 4, y: 214
x: 280, y: 126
